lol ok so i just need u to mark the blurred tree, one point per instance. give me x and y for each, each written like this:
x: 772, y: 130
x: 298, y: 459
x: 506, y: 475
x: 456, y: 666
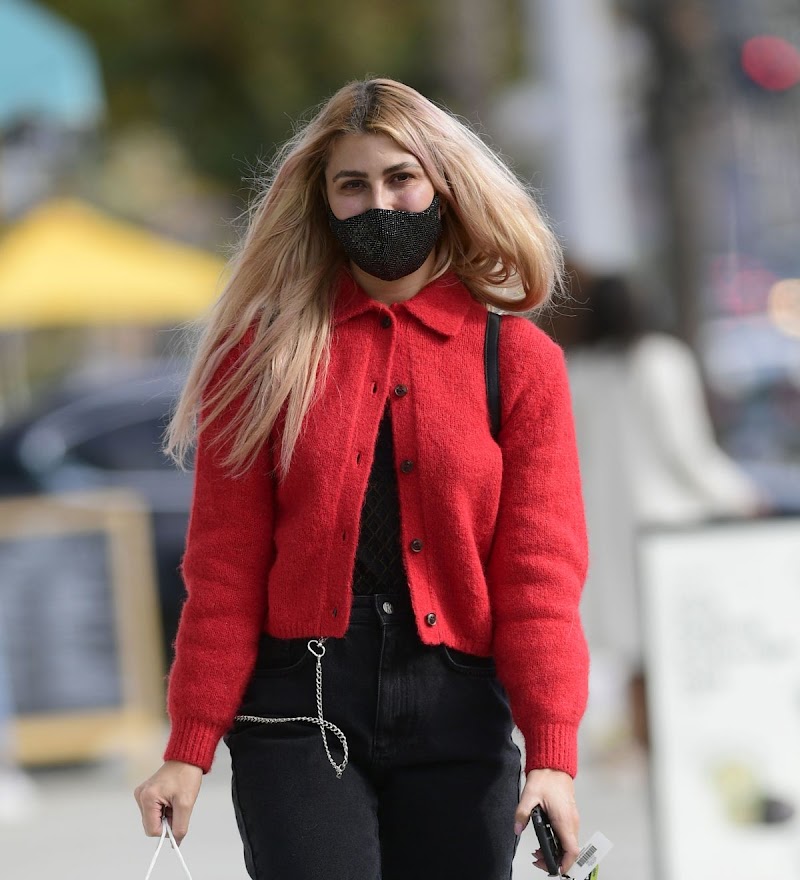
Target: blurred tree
x: 229, y: 78
x: 685, y: 109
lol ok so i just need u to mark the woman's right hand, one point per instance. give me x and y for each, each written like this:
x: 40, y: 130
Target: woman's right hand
x: 171, y: 791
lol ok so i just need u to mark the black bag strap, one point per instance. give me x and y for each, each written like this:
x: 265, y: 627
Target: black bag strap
x: 492, y: 368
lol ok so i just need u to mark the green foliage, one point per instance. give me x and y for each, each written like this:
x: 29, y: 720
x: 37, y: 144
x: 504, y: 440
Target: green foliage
x: 230, y: 78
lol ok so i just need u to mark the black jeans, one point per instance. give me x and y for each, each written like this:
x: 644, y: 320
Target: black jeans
x: 433, y: 778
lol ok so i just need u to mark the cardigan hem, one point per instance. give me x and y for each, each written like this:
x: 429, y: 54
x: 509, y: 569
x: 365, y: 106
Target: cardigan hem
x: 304, y: 632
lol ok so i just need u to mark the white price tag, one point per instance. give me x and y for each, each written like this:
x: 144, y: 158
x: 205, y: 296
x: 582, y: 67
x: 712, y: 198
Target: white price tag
x: 593, y: 851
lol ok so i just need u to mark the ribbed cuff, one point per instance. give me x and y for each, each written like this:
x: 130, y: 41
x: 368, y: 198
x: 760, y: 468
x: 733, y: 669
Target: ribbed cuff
x: 554, y: 746
x: 193, y: 742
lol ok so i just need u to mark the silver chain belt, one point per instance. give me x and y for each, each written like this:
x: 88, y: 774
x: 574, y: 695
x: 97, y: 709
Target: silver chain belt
x: 317, y: 648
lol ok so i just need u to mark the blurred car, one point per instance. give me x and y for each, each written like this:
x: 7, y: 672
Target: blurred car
x: 105, y: 431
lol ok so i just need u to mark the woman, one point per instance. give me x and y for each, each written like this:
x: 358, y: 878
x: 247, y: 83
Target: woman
x: 649, y: 460
x: 358, y: 535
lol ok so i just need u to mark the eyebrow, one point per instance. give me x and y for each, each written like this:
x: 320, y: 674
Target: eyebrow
x: 392, y: 169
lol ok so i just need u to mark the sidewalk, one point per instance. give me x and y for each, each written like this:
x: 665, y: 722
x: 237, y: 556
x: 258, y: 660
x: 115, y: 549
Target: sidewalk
x: 87, y: 827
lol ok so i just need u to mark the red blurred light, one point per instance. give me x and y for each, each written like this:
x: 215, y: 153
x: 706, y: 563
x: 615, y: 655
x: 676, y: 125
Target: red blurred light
x: 740, y: 284
x: 771, y: 62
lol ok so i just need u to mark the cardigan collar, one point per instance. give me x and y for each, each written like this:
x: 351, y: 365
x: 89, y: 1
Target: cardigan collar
x: 441, y: 305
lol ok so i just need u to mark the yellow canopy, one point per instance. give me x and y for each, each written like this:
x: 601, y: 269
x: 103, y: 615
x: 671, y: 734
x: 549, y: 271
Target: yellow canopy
x: 66, y: 263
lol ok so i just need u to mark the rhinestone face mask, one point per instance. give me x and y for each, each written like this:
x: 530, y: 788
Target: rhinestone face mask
x: 389, y: 244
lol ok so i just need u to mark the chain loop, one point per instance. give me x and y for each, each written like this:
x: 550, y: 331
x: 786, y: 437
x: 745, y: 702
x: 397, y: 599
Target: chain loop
x: 317, y: 648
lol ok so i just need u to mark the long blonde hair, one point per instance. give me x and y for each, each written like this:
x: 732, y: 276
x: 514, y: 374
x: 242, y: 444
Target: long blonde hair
x: 281, y: 283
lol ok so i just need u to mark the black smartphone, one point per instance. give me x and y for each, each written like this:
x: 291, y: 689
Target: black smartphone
x: 552, y: 853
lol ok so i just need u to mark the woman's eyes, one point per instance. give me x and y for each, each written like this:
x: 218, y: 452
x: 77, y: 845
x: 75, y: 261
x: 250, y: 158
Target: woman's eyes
x: 401, y: 177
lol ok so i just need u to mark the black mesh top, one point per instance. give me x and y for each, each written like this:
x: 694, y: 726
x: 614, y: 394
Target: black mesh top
x: 379, y: 562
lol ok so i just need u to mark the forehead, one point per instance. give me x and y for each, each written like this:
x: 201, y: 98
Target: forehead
x: 365, y: 152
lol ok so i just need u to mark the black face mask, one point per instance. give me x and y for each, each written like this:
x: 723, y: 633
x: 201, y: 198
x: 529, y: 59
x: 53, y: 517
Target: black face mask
x: 389, y: 244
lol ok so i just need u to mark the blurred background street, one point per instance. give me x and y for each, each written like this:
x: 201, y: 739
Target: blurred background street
x: 661, y: 138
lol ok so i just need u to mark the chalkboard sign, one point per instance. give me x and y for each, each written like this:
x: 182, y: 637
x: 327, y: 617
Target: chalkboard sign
x: 79, y: 624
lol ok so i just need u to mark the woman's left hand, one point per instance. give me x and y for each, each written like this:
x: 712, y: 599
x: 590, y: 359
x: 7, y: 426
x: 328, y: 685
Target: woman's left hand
x: 554, y: 790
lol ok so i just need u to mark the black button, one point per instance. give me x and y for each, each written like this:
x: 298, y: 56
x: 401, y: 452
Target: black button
x: 386, y: 321
x: 400, y: 390
x: 430, y: 619
x: 416, y: 545
x: 407, y: 466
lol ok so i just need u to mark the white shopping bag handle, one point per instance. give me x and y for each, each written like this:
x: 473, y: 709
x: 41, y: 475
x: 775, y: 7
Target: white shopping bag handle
x: 167, y: 831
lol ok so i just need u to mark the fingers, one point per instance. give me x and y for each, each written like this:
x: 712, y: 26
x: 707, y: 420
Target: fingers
x: 528, y: 800
x: 152, y: 807
x: 181, y: 811
x: 554, y: 790
x: 171, y: 792
x: 565, y: 821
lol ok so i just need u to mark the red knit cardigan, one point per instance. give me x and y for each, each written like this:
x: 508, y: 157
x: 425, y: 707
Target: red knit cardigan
x: 493, y: 534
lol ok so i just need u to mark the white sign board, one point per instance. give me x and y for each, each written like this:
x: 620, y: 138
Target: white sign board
x: 721, y: 617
